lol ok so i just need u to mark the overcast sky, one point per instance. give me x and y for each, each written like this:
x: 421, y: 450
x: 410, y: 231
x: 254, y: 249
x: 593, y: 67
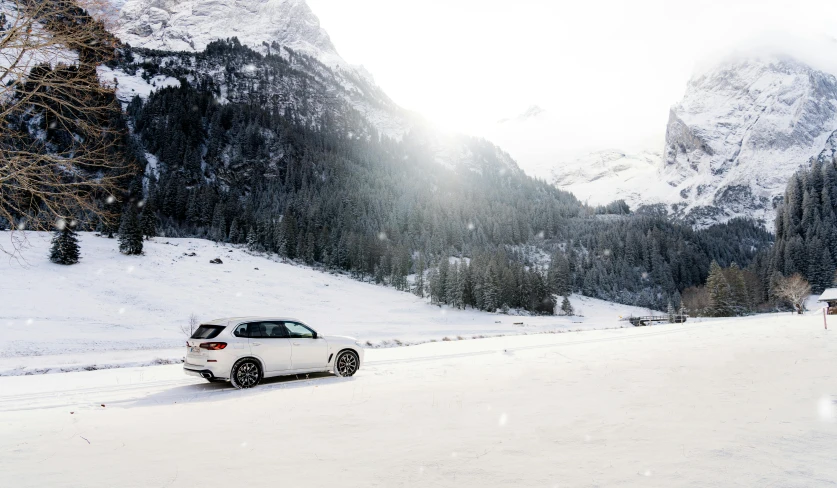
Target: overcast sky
x: 606, y: 71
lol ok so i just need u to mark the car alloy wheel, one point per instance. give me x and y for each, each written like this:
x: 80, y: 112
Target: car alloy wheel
x: 346, y: 364
x: 246, y: 374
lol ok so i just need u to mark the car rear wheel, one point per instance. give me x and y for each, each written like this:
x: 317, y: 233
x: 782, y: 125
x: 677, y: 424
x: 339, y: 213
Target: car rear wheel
x: 246, y: 373
x: 346, y: 364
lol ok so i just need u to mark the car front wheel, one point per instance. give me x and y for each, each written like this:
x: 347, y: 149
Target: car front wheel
x: 346, y: 364
x: 246, y: 373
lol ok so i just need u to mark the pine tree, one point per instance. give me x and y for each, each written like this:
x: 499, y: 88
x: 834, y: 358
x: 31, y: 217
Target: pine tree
x: 567, y: 307
x: 418, y: 287
x: 148, y: 222
x: 130, y: 232
x: 719, y: 292
x: 235, y: 236
x: 65, y: 249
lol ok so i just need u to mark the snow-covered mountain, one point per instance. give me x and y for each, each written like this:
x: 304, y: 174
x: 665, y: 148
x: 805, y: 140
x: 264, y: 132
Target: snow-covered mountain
x: 600, y: 177
x: 741, y: 130
x: 274, y: 26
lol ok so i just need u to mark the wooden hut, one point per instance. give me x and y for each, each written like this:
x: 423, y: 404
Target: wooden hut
x: 829, y: 296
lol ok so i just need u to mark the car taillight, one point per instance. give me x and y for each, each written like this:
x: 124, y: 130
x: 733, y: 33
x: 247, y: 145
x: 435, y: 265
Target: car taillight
x: 213, y: 346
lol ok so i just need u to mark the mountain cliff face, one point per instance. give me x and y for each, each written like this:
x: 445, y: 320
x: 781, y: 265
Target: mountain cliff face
x: 741, y: 131
x: 189, y: 25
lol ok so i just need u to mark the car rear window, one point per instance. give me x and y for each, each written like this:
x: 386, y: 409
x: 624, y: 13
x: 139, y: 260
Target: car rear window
x: 207, y: 332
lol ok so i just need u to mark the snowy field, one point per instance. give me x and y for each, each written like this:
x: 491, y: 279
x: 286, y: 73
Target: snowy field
x: 112, y: 310
x: 729, y: 403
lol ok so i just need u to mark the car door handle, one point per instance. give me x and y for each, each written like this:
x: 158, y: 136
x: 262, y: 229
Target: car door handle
x: 297, y: 344
x: 255, y: 343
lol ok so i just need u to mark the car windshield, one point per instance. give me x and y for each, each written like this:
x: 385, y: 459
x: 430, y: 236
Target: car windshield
x: 207, y: 332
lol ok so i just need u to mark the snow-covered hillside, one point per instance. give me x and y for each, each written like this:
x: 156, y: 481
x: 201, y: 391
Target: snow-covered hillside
x: 115, y: 310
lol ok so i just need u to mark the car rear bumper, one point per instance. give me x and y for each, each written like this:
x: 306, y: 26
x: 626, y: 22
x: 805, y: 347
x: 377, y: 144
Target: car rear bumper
x: 201, y: 372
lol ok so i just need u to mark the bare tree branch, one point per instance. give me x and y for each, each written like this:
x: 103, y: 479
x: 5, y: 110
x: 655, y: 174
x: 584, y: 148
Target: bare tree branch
x: 61, y: 134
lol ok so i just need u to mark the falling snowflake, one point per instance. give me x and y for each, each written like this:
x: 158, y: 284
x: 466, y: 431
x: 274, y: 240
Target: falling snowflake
x: 121, y: 311
x: 382, y: 236
x: 60, y: 224
x: 827, y: 409
x: 471, y: 226
x: 540, y: 235
x: 503, y: 420
x: 111, y: 199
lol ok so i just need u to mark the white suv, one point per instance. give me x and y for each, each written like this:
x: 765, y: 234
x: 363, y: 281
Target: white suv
x: 244, y: 350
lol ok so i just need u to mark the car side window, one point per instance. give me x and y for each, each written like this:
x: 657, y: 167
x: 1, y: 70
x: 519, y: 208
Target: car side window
x: 246, y: 330
x: 299, y: 331
x: 274, y: 330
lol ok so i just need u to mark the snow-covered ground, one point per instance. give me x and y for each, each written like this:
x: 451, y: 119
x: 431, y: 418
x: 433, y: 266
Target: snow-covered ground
x: 112, y: 310
x: 743, y: 402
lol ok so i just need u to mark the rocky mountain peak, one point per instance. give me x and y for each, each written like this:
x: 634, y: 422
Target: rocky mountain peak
x: 189, y: 25
x: 741, y: 130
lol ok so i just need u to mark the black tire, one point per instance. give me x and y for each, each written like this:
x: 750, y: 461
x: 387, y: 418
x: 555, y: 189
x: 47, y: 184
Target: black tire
x: 246, y: 373
x: 346, y: 364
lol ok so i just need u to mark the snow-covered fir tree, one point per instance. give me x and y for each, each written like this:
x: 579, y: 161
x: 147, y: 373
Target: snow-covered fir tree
x: 65, y: 248
x: 130, y: 232
x: 567, y: 307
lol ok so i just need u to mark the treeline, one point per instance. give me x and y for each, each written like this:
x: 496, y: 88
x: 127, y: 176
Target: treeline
x: 728, y: 292
x: 803, y: 257
x: 806, y: 227
x: 496, y: 281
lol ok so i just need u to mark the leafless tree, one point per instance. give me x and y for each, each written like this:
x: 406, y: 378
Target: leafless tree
x: 191, y: 327
x: 794, y: 289
x: 50, y: 51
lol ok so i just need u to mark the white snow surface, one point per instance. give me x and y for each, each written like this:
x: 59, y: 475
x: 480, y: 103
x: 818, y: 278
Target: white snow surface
x: 742, y: 402
x: 128, y: 86
x: 112, y: 310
